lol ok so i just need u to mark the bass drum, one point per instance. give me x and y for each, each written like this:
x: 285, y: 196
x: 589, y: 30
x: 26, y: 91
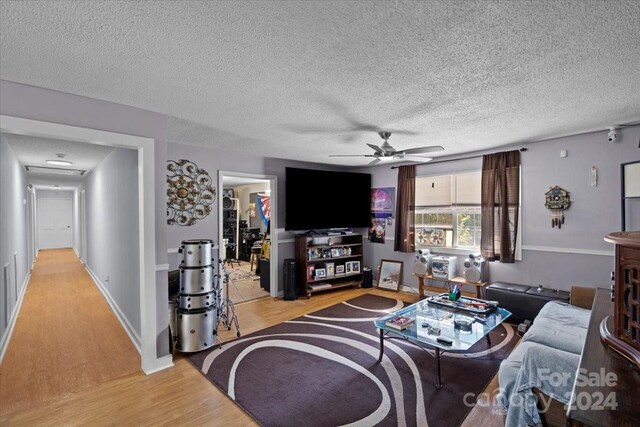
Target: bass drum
x: 196, y: 280
x: 196, y: 329
x: 196, y: 252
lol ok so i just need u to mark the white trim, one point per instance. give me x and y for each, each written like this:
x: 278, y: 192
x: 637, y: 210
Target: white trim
x: 162, y: 363
x: 162, y: 267
x: 149, y: 329
x: 75, y: 251
x: 567, y: 250
x: 4, y: 342
x: 133, y: 335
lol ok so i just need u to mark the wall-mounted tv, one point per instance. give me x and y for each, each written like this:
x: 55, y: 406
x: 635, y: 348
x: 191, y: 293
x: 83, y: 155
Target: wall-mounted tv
x: 317, y: 199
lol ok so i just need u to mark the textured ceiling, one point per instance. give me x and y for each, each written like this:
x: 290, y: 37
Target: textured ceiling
x: 35, y: 151
x: 251, y: 76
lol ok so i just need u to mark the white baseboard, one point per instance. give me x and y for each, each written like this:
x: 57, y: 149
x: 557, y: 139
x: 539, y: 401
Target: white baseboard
x: 76, y: 252
x: 133, y: 336
x: 4, y: 342
x: 162, y: 363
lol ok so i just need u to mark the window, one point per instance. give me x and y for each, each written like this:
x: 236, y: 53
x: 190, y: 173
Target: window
x: 448, y: 211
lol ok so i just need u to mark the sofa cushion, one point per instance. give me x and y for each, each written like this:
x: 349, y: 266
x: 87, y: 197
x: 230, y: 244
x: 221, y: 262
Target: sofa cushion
x: 566, y: 314
x: 557, y: 335
x: 561, y: 326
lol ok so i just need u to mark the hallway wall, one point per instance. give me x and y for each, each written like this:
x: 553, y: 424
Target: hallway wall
x: 112, y: 233
x: 13, y: 235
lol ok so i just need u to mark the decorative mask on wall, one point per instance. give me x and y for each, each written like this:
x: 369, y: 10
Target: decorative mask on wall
x: 190, y: 193
x: 557, y: 201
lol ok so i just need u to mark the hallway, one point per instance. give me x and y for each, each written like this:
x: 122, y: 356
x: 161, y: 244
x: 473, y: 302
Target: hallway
x: 66, y: 337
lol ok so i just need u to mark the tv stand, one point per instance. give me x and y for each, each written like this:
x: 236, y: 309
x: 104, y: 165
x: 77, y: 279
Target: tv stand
x: 317, y: 252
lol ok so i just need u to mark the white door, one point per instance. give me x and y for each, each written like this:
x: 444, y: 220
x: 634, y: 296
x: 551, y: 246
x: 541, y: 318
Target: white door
x: 55, y: 218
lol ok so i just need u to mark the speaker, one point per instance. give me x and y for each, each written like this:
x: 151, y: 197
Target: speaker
x: 422, y: 267
x: 290, y: 288
x: 227, y: 199
x: 367, y: 278
x: 475, y: 269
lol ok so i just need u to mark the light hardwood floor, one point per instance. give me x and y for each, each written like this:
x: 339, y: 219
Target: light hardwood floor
x: 177, y: 396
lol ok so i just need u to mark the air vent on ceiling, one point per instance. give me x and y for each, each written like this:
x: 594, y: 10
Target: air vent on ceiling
x: 57, y: 171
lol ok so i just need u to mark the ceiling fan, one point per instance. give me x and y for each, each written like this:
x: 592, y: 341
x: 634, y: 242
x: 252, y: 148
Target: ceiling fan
x: 386, y: 151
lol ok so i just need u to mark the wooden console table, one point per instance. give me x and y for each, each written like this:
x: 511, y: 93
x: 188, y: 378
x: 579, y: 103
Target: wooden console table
x: 445, y: 283
x: 597, y: 358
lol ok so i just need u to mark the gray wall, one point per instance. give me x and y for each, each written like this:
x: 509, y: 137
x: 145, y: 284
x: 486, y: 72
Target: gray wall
x: 13, y: 232
x: 112, y: 231
x: 212, y: 161
x: 559, y: 258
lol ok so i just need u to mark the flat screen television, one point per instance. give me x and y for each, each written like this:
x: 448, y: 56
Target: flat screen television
x: 317, y: 199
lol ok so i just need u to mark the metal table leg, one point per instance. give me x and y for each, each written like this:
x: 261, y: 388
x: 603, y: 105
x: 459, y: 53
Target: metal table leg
x: 438, y: 382
x: 381, y: 346
x: 488, y: 340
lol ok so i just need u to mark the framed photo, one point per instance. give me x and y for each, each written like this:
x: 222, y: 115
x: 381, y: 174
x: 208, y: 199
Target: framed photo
x: 320, y: 273
x: 330, y: 267
x: 355, y: 266
x: 310, y: 269
x: 348, y: 268
x: 339, y: 269
x: 390, y: 274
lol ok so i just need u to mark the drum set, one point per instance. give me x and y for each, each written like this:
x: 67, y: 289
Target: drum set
x: 200, y: 304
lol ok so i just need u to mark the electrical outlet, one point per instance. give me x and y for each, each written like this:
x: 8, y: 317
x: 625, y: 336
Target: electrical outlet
x: 107, y: 279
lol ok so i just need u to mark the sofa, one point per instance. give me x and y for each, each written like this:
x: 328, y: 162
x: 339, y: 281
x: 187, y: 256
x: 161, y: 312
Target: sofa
x: 537, y: 378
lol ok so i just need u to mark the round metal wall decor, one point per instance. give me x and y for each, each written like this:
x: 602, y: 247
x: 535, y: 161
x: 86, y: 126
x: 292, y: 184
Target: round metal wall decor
x: 190, y: 193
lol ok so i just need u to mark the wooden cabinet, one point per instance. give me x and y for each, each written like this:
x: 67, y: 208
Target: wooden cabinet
x: 625, y: 335
x: 328, y: 262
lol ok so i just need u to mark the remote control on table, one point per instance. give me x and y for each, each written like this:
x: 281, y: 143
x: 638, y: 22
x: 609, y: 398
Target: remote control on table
x: 445, y: 341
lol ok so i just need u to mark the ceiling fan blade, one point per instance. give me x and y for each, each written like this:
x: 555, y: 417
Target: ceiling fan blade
x: 402, y: 132
x: 387, y: 148
x: 349, y: 155
x: 375, y: 161
x: 375, y: 148
x: 421, y: 150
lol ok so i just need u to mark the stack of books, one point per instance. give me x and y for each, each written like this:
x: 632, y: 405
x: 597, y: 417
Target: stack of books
x: 400, y: 322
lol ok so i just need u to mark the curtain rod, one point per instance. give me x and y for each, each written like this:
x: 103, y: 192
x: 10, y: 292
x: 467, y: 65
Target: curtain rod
x: 451, y: 160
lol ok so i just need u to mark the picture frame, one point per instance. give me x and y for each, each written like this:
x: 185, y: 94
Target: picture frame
x: 355, y: 266
x: 321, y: 273
x: 310, y: 269
x: 330, y: 267
x: 390, y: 274
x: 339, y: 269
x: 347, y: 267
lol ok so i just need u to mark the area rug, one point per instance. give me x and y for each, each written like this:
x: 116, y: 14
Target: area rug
x: 240, y: 274
x: 321, y: 369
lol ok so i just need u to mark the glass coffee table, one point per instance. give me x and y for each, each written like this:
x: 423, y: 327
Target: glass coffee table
x: 442, y: 328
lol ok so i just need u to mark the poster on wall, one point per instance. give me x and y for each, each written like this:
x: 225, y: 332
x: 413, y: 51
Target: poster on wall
x: 382, y: 203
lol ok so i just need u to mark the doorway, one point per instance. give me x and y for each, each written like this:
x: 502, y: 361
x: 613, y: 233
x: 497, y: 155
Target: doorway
x: 55, y: 218
x: 146, y: 343
x: 247, y: 212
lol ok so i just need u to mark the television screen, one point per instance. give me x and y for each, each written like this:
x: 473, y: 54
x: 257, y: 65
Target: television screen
x: 317, y: 200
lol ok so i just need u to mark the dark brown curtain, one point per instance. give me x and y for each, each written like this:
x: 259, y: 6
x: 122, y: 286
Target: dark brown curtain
x: 405, y: 209
x: 500, y: 200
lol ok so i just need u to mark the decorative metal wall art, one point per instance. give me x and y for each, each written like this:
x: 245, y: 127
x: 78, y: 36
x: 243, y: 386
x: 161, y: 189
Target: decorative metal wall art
x: 190, y: 193
x: 557, y: 201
